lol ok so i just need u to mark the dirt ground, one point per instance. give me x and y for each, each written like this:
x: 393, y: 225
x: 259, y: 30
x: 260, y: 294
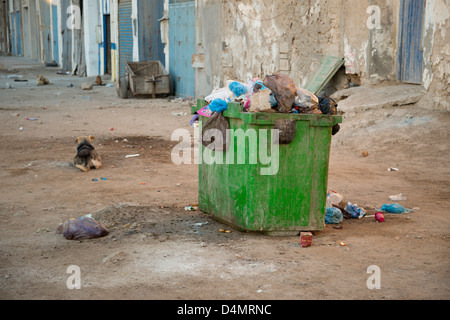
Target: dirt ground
x: 157, y: 250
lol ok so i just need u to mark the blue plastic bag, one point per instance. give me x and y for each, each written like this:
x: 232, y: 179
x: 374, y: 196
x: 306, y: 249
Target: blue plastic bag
x: 355, y: 211
x: 238, y: 88
x: 333, y: 215
x: 394, y: 208
x: 218, y: 105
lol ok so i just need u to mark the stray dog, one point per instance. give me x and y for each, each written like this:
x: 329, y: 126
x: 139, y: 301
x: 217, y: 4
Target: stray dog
x: 86, y: 157
x: 42, y: 81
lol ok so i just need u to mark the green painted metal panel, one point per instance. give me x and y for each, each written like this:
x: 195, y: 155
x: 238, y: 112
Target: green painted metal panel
x: 291, y: 200
x: 329, y: 65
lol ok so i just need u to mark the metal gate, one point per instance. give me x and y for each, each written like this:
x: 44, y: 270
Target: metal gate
x: 125, y: 35
x: 150, y: 45
x: 182, y: 46
x: 107, y: 42
x: 55, y: 33
x: 410, y: 55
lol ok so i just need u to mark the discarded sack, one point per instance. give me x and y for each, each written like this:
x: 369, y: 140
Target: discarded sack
x: 394, y: 208
x: 355, y: 211
x: 82, y: 228
x: 284, y: 90
x: 215, y: 132
x: 333, y: 215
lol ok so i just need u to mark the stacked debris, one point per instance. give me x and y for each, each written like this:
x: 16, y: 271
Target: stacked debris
x: 274, y: 93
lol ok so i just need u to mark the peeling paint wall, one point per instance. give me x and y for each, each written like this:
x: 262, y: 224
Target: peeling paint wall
x: 259, y: 37
x: 436, y: 52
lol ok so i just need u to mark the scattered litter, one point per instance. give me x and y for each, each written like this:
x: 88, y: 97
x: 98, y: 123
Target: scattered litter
x: 95, y: 179
x: 84, y: 227
x: 178, y: 113
x: 354, y: 210
x: 194, y: 119
x: 13, y: 76
x: 132, y: 155
x: 112, y: 129
x: 32, y: 119
x: 397, y: 197
x: 225, y: 230
x: 379, y: 216
x: 392, y: 169
x: 394, y: 208
x: 63, y: 72
x: 205, y: 111
x: 333, y: 215
x: 21, y: 128
x: 109, y: 85
x: 20, y: 80
x: 69, y: 85
x: 199, y: 224
x: 342, y: 243
x: 190, y: 208
x: 364, y: 153
x: 305, y: 239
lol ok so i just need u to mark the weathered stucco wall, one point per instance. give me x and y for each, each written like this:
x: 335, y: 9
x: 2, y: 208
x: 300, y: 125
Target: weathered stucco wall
x: 436, y: 53
x: 261, y: 37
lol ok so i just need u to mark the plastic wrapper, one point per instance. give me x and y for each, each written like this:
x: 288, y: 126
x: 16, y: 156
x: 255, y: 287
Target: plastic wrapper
x: 82, y: 228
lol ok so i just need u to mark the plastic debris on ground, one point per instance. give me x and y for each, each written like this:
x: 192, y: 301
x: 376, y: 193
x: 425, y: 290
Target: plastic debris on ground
x: 306, y: 239
x: 84, y: 227
x: 379, y: 216
x: 397, y: 197
x: 333, y: 215
x: 394, y: 208
x: 354, y: 210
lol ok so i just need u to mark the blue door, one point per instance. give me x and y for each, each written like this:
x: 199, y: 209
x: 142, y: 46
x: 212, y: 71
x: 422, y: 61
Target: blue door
x: 125, y: 35
x: 410, y: 55
x: 18, y: 34
x: 55, y: 34
x: 13, y: 34
x: 150, y: 44
x: 181, y: 46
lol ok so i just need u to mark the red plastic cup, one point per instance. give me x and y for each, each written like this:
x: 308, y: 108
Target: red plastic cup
x: 379, y: 216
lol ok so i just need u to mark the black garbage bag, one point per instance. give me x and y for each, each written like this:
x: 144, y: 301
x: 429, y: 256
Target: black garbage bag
x: 82, y: 228
x: 215, y: 132
x: 329, y: 106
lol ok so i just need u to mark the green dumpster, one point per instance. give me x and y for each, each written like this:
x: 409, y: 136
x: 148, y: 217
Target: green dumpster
x: 263, y: 184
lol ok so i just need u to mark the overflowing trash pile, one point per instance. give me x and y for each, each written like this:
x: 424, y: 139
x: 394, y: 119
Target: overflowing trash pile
x: 274, y: 93
x: 337, y: 209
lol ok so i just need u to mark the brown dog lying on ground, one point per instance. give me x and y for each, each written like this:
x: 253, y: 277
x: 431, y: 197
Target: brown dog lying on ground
x: 86, y: 157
